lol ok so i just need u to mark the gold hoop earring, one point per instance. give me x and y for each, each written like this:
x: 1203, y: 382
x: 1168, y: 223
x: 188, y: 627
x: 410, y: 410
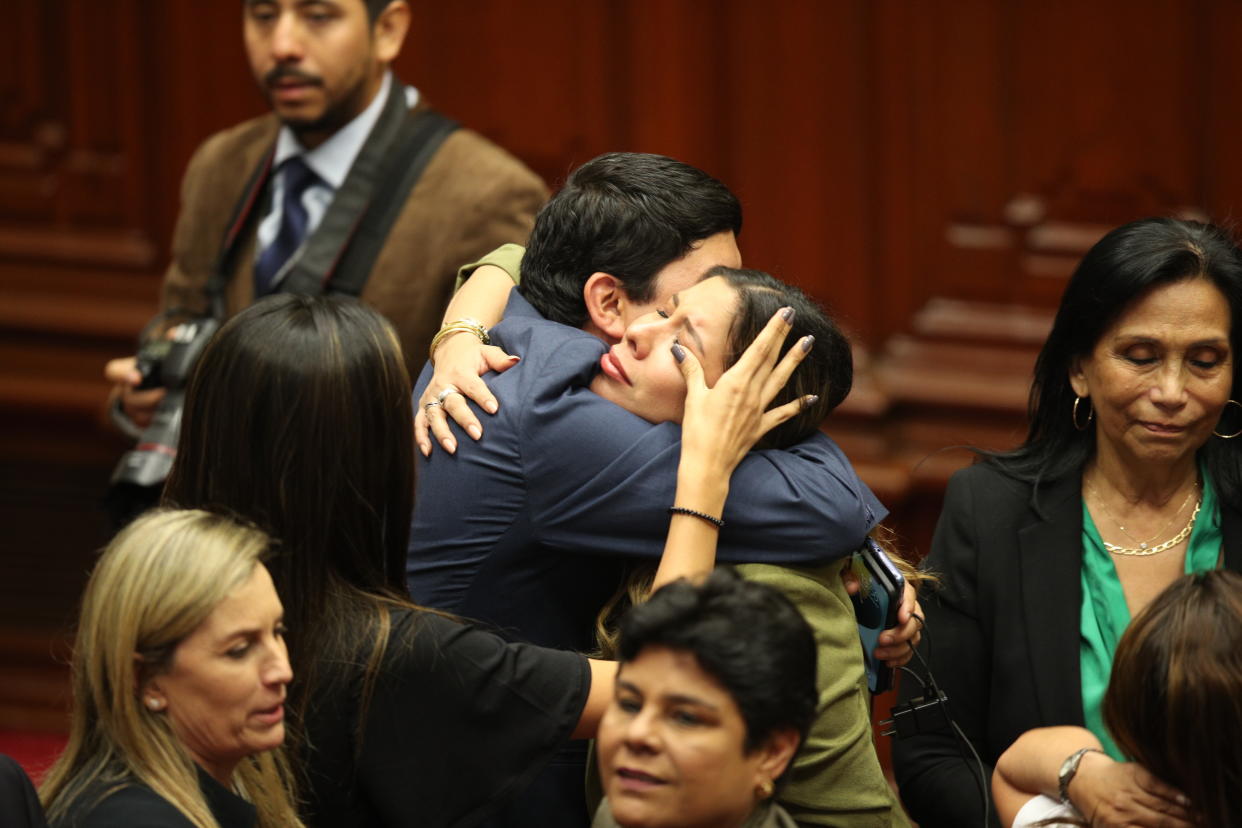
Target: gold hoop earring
x: 1074, y: 413
x: 1236, y: 433
x: 763, y: 789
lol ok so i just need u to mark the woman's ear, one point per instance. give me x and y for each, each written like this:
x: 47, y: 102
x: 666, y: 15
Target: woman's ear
x: 775, y: 754
x: 147, y: 687
x: 605, y: 305
x: 1078, y: 379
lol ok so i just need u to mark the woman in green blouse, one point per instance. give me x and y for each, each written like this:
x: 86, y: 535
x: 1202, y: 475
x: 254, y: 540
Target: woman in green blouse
x: 1128, y: 479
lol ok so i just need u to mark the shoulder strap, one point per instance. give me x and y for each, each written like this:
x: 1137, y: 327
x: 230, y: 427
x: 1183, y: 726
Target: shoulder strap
x: 242, y: 217
x: 327, y: 261
x: 318, y: 256
x: 425, y: 133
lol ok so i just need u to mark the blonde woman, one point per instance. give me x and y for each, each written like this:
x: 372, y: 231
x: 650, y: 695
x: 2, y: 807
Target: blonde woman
x: 179, y: 677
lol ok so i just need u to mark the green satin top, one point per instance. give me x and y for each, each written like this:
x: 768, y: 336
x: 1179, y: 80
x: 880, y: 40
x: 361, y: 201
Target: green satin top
x: 1105, y: 615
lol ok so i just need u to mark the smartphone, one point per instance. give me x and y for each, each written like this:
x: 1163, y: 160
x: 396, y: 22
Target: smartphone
x: 875, y: 606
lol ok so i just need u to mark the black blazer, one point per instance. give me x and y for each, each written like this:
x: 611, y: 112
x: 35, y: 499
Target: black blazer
x: 1002, y: 632
x: 19, y: 804
x: 137, y: 806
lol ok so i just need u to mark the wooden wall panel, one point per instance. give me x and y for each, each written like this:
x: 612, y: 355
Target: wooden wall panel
x: 535, y: 80
x: 1046, y: 124
x: 797, y: 127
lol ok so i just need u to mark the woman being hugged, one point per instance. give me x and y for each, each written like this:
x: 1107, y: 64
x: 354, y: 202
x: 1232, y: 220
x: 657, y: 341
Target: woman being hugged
x: 1127, y: 480
x: 179, y: 676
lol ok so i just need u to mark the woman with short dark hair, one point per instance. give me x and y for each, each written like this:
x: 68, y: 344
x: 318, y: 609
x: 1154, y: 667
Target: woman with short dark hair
x: 715, y: 691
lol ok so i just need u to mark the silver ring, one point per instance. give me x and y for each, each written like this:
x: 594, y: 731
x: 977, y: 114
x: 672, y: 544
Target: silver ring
x: 448, y: 389
x: 430, y: 405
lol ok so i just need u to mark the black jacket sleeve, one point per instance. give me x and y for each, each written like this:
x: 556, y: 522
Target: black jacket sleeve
x: 461, y: 720
x: 939, y: 779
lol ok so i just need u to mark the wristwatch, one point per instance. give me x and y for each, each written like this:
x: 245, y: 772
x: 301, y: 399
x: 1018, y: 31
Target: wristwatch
x: 1069, y: 769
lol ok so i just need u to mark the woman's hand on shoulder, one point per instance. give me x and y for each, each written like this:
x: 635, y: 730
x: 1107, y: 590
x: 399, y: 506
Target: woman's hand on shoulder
x: 1111, y: 794
x: 723, y: 422
x: 460, y: 360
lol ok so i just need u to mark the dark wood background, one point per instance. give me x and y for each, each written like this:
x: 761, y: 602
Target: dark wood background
x: 931, y: 169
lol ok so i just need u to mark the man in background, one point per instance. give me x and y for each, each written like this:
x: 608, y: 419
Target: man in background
x: 350, y: 184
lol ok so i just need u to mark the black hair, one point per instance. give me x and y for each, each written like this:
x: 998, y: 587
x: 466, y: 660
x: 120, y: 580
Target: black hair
x: 627, y: 214
x: 827, y: 371
x: 747, y: 636
x: 375, y: 8
x: 298, y: 420
x: 1128, y: 262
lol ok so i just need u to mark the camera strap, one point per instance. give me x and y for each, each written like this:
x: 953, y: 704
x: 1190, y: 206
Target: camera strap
x: 337, y: 257
x: 243, y: 217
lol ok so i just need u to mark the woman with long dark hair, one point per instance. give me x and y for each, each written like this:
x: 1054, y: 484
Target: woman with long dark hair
x: 1129, y: 478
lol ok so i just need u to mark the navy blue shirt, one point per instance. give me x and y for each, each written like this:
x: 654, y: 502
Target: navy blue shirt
x: 531, y: 528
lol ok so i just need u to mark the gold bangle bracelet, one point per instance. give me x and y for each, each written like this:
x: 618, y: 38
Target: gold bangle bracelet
x: 472, y: 326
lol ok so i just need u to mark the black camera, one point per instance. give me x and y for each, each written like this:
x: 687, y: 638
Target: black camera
x: 164, y: 362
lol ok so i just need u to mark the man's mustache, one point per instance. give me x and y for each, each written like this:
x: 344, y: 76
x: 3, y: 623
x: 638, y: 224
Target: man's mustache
x: 281, y: 73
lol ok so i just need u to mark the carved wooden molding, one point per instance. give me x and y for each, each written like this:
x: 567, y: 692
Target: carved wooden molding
x: 106, y: 249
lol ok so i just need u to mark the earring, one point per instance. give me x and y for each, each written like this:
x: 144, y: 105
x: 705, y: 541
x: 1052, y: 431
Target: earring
x: 763, y: 789
x: 154, y: 705
x: 1074, y: 413
x: 1236, y: 433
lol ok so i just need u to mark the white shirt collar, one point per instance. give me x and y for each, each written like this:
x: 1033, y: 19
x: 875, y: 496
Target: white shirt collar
x: 332, y: 159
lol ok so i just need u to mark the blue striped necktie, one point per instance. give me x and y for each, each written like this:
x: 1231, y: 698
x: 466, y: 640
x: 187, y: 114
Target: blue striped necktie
x: 293, y: 221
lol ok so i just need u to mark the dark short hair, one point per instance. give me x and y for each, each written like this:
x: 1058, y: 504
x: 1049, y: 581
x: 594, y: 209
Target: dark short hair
x: 625, y: 213
x: 1174, y: 701
x: 375, y: 7
x: 1114, y: 274
x: 747, y: 636
x: 827, y: 371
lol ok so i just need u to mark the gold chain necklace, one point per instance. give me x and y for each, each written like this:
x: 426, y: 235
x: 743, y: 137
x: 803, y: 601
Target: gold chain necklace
x: 1142, y: 544
x: 1169, y: 544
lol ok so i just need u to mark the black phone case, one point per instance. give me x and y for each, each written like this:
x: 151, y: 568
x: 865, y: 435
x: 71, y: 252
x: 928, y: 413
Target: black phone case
x: 876, y: 606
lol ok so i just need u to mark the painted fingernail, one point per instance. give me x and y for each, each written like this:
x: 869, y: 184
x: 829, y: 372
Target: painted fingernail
x: 679, y: 353
x: 807, y: 342
x: 514, y: 358
x: 474, y: 431
x: 490, y: 406
x: 787, y: 314
x: 809, y: 400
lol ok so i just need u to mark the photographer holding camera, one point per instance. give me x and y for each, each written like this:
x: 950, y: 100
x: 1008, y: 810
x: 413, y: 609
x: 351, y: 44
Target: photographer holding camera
x: 319, y: 194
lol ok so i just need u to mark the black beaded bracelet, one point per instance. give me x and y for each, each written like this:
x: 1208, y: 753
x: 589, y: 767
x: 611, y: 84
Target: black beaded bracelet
x: 681, y: 510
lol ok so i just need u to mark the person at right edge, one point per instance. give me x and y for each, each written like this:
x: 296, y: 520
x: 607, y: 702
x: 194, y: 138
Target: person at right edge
x: 1129, y: 478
